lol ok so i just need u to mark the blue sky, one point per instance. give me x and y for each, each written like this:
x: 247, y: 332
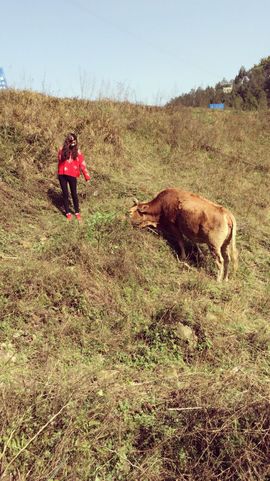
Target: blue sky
x: 145, y: 50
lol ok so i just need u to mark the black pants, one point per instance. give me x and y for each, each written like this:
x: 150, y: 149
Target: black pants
x: 72, y: 181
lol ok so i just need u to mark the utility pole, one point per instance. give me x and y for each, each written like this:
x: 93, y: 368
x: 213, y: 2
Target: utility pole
x: 3, y: 82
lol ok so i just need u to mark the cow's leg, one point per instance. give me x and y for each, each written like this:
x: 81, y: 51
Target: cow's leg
x: 182, y: 248
x: 179, y: 238
x: 180, y: 241
x: 216, y: 253
x: 225, y: 251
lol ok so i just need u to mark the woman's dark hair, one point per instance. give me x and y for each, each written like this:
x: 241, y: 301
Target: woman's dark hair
x: 69, y: 150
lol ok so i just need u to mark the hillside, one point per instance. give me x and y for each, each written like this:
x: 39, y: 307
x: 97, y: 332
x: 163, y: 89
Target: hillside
x: 249, y: 90
x: 119, y: 363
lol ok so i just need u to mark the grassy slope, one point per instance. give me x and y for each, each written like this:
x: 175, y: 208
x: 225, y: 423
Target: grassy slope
x: 117, y: 361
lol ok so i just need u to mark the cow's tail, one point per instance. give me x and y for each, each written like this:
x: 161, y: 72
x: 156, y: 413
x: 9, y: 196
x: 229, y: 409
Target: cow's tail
x: 233, y: 249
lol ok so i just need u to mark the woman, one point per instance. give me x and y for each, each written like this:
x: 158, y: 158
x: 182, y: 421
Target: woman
x: 70, y: 163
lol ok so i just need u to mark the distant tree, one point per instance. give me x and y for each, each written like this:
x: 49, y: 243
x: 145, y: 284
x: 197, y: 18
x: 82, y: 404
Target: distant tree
x: 250, y: 101
x: 262, y: 100
x: 241, y: 75
x: 237, y: 102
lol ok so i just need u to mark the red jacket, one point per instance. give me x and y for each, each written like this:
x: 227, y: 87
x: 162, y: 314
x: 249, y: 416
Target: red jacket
x: 72, y: 167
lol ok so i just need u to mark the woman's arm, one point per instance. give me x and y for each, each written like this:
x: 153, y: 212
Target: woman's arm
x: 83, y: 167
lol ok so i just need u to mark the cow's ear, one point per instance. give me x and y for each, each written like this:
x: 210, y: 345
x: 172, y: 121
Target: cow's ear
x: 143, y: 208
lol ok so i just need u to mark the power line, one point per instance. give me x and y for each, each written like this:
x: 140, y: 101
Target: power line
x: 135, y: 36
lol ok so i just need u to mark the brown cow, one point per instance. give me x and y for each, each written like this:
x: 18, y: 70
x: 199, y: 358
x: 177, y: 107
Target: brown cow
x: 179, y: 213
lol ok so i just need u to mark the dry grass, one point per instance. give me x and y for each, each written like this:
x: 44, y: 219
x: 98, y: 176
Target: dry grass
x: 116, y: 361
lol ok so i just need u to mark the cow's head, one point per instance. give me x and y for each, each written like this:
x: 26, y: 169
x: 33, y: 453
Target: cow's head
x: 141, y: 216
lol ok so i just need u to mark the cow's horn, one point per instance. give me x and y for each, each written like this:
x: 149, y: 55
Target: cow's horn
x: 135, y: 201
